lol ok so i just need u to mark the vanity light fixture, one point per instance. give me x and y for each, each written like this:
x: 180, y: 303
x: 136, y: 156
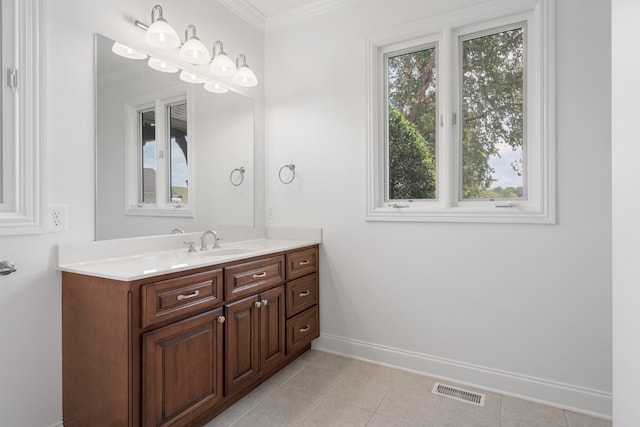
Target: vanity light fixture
x: 221, y: 65
x: 215, y: 87
x: 160, y: 33
x: 193, y: 50
x: 160, y: 65
x: 127, y: 52
x: 188, y: 77
x: 244, y: 76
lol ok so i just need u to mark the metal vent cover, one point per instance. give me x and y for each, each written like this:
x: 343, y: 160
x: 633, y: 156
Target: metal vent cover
x: 459, y: 394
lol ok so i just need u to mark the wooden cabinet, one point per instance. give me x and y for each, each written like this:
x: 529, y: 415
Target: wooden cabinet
x: 182, y: 371
x: 177, y: 349
x: 303, y: 319
x: 254, y: 337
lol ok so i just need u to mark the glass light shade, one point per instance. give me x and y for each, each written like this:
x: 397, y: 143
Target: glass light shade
x: 161, y: 34
x: 222, y: 65
x: 245, y: 77
x: 188, y: 77
x: 215, y: 87
x: 195, y: 52
x: 127, y: 52
x: 160, y: 65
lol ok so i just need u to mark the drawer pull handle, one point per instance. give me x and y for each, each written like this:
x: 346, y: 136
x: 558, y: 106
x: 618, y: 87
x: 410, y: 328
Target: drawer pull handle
x: 261, y: 275
x: 221, y: 319
x: 305, y: 293
x: 305, y: 329
x: 305, y: 262
x: 265, y: 302
x: 181, y: 296
x: 258, y: 304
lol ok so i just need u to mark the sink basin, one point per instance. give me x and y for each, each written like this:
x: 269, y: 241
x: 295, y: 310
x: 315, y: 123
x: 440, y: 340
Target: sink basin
x: 228, y: 251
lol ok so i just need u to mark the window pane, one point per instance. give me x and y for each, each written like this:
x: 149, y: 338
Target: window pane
x: 411, y: 149
x: 492, y: 116
x: 148, y: 151
x: 178, y: 153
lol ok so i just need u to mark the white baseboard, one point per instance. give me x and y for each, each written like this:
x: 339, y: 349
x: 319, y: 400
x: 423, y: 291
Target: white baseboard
x: 565, y: 396
x: 58, y: 424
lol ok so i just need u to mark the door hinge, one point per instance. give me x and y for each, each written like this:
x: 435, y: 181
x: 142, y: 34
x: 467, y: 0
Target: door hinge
x: 454, y: 118
x: 12, y: 79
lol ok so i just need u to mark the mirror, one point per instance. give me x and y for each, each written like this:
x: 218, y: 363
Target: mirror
x: 216, y: 156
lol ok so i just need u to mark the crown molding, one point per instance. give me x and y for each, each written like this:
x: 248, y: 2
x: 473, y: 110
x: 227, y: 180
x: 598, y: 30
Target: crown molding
x: 247, y: 12
x: 265, y: 24
x: 305, y: 12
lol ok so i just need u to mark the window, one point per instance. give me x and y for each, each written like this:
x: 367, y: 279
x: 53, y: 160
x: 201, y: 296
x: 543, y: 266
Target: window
x: 461, y: 117
x: 22, y: 186
x: 159, y: 156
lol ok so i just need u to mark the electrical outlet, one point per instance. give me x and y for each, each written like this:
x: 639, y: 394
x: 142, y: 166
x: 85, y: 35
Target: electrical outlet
x: 57, y: 218
x: 271, y: 211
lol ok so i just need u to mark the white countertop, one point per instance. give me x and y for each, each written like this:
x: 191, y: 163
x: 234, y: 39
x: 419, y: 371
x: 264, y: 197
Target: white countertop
x: 115, y: 259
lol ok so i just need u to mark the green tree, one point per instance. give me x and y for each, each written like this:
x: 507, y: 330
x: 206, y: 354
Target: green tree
x: 492, y: 107
x: 412, y: 121
x: 492, y: 96
x: 411, y: 166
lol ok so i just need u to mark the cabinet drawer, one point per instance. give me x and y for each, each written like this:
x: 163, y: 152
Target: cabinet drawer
x: 301, y: 294
x: 301, y: 263
x: 302, y: 329
x: 252, y: 277
x: 174, y: 298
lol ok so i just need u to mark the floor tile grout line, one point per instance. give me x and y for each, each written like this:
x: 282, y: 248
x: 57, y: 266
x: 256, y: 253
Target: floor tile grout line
x: 257, y: 403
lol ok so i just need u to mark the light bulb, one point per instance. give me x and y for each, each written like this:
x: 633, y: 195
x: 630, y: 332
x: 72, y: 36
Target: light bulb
x: 215, y: 87
x: 127, y: 52
x: 160, y: 65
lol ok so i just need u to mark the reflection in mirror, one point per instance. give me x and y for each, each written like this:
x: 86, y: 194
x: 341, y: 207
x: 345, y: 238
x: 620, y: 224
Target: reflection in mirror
x: 165, y: 150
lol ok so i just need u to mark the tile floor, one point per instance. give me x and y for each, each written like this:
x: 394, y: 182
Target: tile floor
x: 321, y: 389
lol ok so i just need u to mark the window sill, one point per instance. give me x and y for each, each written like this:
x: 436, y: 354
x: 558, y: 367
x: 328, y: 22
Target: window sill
x: 169, y: 210
x: 502, y: 215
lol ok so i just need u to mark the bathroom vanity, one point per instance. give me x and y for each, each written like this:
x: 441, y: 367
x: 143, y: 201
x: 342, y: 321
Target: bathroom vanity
x: 176, y: 345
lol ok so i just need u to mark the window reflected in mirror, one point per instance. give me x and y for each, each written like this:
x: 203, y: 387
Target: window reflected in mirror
x: 178, y: 149
x: 148, y: 155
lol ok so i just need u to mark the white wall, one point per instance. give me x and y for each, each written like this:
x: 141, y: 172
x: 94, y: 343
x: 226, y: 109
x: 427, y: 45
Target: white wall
x: 456, y: 300
x: 30, y: 315
x: 626, y: 211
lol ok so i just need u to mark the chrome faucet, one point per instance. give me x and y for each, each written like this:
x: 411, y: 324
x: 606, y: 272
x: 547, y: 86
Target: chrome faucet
x: 203, y: 240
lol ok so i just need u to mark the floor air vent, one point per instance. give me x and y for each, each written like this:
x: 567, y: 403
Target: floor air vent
x: 459, y: 394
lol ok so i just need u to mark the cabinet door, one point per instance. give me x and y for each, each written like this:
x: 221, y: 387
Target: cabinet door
x: 241, y: 335
x: 272, y: 328
x: 182, y: 370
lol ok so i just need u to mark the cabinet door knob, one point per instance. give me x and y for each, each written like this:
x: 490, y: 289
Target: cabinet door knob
x: 258, y: 304
x: 221, y: 319
x: 265, y: 302
x: 305, y: 293
x: 305, y: 329
x: 261, y: 275
x: 305, y: 262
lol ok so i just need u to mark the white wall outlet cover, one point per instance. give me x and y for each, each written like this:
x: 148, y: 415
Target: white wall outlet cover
x: 57, y: 218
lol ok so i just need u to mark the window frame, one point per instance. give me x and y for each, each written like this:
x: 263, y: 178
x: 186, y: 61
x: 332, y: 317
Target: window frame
x: 159, y: 101
x: 539, y: 116
x: 22, y: 210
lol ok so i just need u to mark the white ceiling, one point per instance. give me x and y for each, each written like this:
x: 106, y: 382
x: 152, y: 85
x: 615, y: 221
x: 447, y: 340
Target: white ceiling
x: 270, y: 8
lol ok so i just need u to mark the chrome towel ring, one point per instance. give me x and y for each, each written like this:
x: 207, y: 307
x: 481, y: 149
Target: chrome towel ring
x: 292, y: 168
x: 6, y: 267
x: 239, y: 176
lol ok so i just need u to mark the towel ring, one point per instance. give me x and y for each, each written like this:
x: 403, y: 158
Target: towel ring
x: 292, y: 168
x: 239, y: 171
